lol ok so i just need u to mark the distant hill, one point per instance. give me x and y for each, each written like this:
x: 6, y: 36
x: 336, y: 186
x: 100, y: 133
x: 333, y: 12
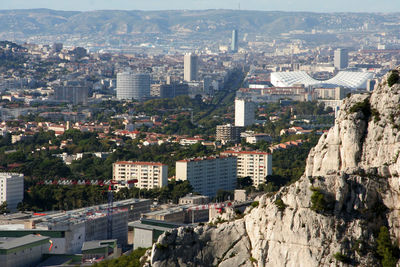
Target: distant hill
x: 115, y: 22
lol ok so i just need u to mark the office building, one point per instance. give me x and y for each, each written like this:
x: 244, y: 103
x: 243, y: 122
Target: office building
x: 133, y: 86
x: 341, y: 59
x: 148, y: 174
x: 234, y: 44
x: 255, y: 164
x: 228, y: 133
x: 72, y: 94
x: 173, y: 90
x: 209, y: 174
x: 244, y: 112
x: 11, y: 189
x: 190, y: 67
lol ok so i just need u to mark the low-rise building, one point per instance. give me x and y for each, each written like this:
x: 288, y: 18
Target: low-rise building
x: 23, y: 251
x: 194, y: 199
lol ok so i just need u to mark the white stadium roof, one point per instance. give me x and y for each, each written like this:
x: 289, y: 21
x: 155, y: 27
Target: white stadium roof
x: 348, y: 79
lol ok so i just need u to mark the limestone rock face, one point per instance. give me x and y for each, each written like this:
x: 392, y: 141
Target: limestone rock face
x: 355, y: 166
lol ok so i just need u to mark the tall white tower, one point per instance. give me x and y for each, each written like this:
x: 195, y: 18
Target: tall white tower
x: 341, y: 59
x: 190, y: 67
x: 234, y: 43
x: 244, y: 112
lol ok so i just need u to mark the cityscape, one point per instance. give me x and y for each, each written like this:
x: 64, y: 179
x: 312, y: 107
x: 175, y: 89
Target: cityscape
x: 212, y: 137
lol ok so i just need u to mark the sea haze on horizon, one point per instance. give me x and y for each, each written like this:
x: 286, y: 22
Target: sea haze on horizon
x: 256, y: 5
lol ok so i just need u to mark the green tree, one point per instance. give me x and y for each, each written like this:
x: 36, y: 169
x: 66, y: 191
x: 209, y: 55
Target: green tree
x: 4, y: 208
x: 386, y: 249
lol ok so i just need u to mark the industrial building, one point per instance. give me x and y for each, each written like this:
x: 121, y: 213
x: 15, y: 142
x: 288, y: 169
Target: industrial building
x: 11, y: 189
x: 148, y: 175
x: 207, y: 175
x: 23, y: 251
x: 68, y: 230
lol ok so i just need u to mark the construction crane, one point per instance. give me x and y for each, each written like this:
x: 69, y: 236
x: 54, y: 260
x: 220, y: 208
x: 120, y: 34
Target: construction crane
x: 110, y: 210
x: 110, y: 198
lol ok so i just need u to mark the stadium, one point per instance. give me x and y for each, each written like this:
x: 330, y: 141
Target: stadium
x: 347, y: 79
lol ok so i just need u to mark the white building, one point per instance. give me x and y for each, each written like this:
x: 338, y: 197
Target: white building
x: 244, y: 112
x: 190, y: 67
x: 148, y: 174
x: 11, y: 189
x: 341, y: 59
x: 209, y: 174
x: 347, y: 79
x: 254, y: 164
x: 133, y: 85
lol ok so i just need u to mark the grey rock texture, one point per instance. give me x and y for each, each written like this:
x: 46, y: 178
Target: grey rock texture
x: 355, y: 166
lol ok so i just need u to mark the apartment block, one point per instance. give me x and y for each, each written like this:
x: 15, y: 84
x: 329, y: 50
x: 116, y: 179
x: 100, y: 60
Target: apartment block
x: 148, y: 174
x: 209, y: 174
x: 255, y: 164
x: 11, y: 189
x: 228, y: 133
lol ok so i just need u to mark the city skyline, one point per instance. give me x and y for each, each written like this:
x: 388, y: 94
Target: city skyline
x: 287, y: 5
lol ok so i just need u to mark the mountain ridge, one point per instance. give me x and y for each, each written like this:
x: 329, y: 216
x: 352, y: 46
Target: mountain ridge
x: 47, y: 21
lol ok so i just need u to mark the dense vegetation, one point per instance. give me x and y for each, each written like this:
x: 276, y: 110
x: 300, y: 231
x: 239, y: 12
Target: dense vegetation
x: 131, y: 260
x: 393, y: 78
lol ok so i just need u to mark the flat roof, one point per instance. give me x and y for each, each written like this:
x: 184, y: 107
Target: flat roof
x: 140, y: 225
x: 97, y: 244
x: 246, y: 152
x: 11, y: 227
x: 140, y: 163
x: 10, y: 243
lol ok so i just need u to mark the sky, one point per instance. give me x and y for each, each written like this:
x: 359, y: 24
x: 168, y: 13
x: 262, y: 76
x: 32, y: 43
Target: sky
x: 280, y: 5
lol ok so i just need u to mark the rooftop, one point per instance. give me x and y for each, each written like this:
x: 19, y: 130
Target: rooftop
x: 88, y: 245
x: 7, y: 243
x: 140, y: 163
x: 346, y: 79
x: 246, y: 152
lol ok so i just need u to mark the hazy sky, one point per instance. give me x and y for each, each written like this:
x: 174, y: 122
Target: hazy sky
x: 284, y: 5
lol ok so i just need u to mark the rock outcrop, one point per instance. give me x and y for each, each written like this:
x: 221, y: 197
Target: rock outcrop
x: 329, y: 217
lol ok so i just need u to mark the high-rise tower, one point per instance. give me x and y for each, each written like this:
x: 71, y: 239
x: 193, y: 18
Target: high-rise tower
x: 244, y: 112
x: 341, y: 59
x: 190, y: 67
x: 234, y: 44
x: 133, y: 85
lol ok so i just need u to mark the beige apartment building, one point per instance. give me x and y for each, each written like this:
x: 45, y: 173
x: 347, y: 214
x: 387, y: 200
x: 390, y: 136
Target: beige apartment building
x: 255, y: 164
x: 148, y: 174
x: 207, y: 175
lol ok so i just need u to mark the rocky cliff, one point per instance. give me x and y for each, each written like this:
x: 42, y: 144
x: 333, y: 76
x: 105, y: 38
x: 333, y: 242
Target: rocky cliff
x: 330, y: 217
